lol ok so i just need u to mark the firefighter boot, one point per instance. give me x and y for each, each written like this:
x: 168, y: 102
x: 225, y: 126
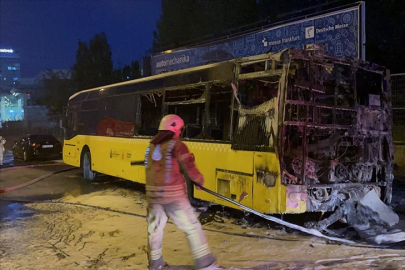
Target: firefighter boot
x: 157, y: 264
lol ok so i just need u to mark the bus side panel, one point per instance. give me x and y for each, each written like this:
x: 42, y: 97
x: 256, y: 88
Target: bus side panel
x: 267, y: 188
x: 109, y: 155
x: 244, y: 176
x: 113, y: 156
x: 71, y: 154
x: 270, y: 196
x: 225, y: 171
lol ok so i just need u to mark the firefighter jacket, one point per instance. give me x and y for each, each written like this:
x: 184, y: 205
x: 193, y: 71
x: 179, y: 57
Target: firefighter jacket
x: 164, y: 164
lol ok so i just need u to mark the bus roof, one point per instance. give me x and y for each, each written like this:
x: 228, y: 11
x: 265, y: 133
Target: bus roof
x: 215, y: 72
x: 221, y: 71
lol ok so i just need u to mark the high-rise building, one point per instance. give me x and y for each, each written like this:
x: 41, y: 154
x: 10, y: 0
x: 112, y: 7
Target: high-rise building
x: 9, y: 69
x: 12, y: 103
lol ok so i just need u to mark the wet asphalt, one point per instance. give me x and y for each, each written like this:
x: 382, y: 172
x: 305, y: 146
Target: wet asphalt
x: 15, y: 172
x: 13, y: 208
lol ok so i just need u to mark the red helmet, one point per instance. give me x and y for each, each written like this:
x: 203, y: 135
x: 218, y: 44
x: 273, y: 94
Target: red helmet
x: 171, y: 122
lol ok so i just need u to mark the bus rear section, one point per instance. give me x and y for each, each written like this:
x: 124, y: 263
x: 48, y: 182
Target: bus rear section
x: 335, y: 132
x: 313, y: 130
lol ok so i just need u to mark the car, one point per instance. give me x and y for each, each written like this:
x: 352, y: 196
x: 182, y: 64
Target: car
x: 37, y: 146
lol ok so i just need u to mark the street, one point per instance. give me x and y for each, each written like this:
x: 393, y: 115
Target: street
x: 64, y: 222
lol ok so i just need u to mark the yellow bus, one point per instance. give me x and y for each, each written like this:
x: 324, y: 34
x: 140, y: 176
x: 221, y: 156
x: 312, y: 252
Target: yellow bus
x: 289, y: 132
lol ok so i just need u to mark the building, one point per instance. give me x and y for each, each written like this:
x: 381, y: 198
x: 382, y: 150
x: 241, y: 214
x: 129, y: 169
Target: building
x: 9, y: 69
x: 19, y: 111
x: 12, y: 103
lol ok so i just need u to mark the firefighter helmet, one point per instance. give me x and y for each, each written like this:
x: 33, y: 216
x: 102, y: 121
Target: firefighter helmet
x: 171, y: 122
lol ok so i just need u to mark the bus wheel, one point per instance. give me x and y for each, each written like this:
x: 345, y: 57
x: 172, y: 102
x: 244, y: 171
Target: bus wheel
x: 88, y: 174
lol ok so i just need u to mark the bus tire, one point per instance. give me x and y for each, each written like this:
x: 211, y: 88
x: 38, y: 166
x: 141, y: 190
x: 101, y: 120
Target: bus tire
x: 88, y: 174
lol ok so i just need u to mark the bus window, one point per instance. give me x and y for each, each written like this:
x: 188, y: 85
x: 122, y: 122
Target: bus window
x: 255, y: 132
x: 369, y: 88
x: 150, y: 113
x: 295, y: 113
x: 116, y: 116
x: 192, y: 114
x: 189, y: 104
x: 184, y: 96
x: 254, y: 92
x: 301, y: 73
x: 88, y: 117
x: 122, y: 107
x: 219, y: 112
x: 338, y: 86
x: 256, y: 127
x: 71, y: 125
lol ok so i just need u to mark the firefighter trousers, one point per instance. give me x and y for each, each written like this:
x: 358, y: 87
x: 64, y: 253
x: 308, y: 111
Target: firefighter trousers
x: 182, y: 214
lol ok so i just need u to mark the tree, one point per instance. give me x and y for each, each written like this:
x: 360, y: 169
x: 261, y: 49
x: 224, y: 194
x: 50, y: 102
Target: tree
x: 175, y: 23
x: 58, y: 87
x: 385, y: 33
x: 200, y: 19
x: 93, y: 66
x: 132, y: 72
x: 128, y: 72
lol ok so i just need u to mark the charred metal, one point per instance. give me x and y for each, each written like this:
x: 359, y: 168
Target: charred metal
x: 267, y: 178
x: 336, y: 129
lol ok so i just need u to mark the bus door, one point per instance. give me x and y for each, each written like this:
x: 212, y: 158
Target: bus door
x: 69, y: 148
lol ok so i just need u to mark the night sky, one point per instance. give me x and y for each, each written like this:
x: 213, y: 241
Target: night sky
x: 45, y: 33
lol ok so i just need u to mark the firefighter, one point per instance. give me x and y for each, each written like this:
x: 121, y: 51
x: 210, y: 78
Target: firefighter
x: 166, y: 194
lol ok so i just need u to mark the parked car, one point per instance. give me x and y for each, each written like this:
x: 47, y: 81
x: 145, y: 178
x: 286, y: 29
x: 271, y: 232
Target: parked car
x: 37, y: 146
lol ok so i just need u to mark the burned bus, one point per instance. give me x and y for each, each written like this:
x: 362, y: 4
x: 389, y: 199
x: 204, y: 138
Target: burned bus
x: 289, y: 132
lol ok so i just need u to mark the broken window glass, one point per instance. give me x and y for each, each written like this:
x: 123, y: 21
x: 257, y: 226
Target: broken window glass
x: 150, y: 113
x: 192, y: 114
x: 256, y: 125
x: 255, y: 92
x: 219, y: 112
x: 256, y: 128
x: 185, y: 96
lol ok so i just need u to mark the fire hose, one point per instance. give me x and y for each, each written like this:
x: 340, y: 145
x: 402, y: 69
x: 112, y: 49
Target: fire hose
x: 287, y: 224
x: 276, y: 220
